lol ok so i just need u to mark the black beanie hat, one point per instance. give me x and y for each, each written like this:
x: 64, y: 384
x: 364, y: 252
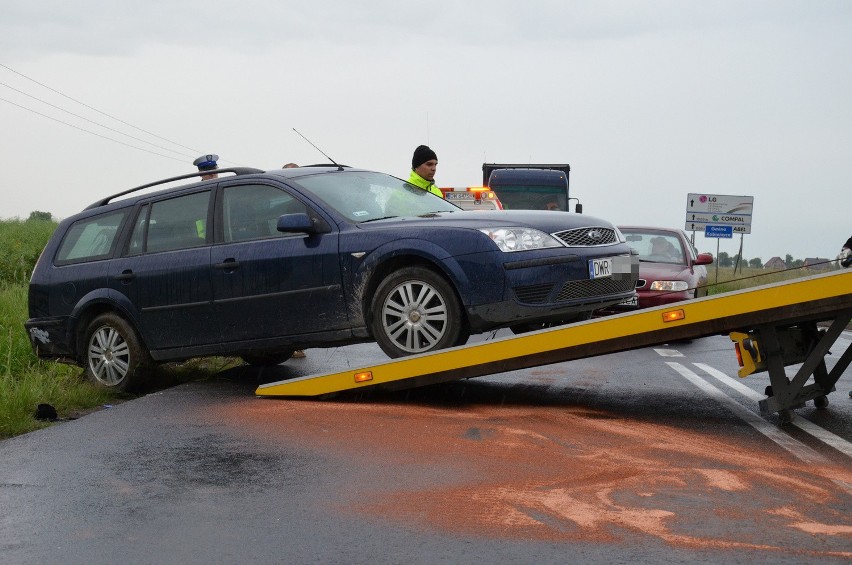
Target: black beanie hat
x: 421, y: 155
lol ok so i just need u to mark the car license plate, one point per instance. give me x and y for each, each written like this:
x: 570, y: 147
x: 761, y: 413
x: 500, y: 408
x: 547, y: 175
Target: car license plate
x: 459, y: 196
x: 600, y: 268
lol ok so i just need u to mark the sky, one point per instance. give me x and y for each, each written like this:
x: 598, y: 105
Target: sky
x: 648, y: 101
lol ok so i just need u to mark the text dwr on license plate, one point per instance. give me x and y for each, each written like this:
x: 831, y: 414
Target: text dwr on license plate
x: 600, y: 268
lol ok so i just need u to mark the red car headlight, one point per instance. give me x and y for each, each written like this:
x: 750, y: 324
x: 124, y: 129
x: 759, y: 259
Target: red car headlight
x: 669, y: 286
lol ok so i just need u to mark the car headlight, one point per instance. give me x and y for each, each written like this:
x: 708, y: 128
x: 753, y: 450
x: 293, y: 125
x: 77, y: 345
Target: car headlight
x: 520, y: 239
x: 670, y: 286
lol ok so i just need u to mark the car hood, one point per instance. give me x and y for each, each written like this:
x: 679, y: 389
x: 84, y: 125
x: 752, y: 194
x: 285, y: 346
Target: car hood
x: 544, y: 220
x: 662, y: 271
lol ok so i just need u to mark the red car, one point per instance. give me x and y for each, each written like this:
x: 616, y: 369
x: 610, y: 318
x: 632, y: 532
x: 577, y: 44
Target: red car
x: 670, y: 267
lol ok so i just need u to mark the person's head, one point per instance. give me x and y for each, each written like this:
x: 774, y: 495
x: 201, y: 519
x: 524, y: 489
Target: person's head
x: 664, y: 247
x: 207, y: 163
x: 424, y: 162
x: 290, y: 166
x: 659, y: 246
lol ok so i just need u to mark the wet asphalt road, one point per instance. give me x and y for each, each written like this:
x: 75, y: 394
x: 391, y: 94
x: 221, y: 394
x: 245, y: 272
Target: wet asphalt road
x: 495, y: 469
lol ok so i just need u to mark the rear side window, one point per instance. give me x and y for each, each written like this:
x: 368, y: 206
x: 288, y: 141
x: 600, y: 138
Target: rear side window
x: 91, y: 239
x: 167, y: 225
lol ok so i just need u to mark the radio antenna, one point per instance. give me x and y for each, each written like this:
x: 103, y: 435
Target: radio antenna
x: 339, y: 167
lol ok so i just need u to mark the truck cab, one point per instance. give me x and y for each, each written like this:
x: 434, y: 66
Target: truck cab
x: 530, y: 187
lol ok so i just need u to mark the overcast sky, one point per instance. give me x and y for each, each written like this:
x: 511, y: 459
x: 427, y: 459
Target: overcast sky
x: 647, y: 100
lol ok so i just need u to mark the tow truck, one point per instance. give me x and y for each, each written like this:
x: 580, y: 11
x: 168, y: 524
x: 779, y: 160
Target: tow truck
x: 772, y: 326
x: 472, y: 197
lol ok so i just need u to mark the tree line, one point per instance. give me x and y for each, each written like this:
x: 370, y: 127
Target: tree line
x: 726, y: 260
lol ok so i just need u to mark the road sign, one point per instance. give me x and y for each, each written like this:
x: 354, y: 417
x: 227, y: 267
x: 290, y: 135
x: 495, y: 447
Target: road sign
x: 703, y: 210
x: 725, y: 232
x: 698, y: 226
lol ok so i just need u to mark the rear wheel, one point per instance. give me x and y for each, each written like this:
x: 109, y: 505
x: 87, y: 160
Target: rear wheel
x: 415, y: 310
x: 114, y: 356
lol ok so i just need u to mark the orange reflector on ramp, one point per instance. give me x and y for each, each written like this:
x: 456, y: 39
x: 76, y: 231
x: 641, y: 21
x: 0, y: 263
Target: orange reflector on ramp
x: 673, y: 315
x: 363, y: 377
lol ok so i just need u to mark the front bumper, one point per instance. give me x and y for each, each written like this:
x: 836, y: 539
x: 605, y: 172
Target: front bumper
x: 555, y: 289
x: 508, y: 312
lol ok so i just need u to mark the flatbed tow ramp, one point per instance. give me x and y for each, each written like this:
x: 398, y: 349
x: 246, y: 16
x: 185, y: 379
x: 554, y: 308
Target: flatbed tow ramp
x: 773, y: 326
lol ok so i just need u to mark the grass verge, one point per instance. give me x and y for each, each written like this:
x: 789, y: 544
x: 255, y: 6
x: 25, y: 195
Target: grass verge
x: 724, y: 279
x: 26, y: 382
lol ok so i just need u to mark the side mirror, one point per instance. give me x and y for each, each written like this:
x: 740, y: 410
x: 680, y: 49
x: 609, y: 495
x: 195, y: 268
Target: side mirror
x: 295, y: 223
x: 703, y: 259
x: 578, y: 208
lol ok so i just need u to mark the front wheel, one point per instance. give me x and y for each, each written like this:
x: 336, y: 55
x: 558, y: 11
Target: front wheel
x: 114, y: 356
x: 415, y: 310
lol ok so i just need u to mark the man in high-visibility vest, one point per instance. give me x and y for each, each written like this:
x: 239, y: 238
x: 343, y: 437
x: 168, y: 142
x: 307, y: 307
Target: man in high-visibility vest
x: 424, y: 163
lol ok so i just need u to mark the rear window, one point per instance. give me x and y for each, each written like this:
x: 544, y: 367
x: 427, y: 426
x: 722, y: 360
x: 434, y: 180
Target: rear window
x: 91, y: 239
x: 531, y: 197
x: 530, y: 189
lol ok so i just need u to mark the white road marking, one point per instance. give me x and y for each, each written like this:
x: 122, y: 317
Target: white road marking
x: 668, y: 353
x: 840, y: 345
x: 804, y: 424
x: 771, y: 431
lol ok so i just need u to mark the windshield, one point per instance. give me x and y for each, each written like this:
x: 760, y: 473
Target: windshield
x: 531, y: 197
x: 363, y: 196
x: 656, y: 247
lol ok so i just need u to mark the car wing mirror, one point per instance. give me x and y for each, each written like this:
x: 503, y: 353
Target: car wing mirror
x: 703, y: 259
x: 295, y: 223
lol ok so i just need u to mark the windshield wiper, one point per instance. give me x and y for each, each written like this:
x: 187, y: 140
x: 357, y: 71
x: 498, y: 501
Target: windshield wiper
x: 377, y: 219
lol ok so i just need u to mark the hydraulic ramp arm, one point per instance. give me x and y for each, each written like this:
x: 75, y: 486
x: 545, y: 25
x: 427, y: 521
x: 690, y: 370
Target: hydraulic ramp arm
x: 771, y: 316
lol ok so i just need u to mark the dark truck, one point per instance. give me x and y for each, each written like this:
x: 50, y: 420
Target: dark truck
x: 530, y: 187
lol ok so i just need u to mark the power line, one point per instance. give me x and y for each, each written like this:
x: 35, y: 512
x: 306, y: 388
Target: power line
x: 92, y: 121
x: 96, y: 110
x: 91, y: 132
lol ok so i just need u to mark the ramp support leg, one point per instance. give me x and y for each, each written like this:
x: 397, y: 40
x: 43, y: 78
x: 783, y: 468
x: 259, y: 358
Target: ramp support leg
x: 787, y: 393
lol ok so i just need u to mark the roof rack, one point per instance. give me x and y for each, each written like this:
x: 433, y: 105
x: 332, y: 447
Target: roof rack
x: 235, y: 170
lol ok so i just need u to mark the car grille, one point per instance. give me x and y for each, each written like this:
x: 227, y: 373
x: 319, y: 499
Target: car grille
x: 587, y: 237
x: 595, y: 287
x: 533, y: 294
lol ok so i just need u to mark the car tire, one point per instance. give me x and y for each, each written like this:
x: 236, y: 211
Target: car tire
x: 268, y: 359
x: 114, y: 355
x: 464, y: 336
x: 415, y: 310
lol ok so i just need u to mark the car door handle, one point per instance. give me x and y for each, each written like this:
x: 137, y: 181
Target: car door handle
x: 125, y: 276
x: 228, y: 265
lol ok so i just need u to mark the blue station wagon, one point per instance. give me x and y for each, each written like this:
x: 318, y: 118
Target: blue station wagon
x: 257, y: 264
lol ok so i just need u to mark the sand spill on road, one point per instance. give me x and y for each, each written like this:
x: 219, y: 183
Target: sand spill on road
x: 567, y: 473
